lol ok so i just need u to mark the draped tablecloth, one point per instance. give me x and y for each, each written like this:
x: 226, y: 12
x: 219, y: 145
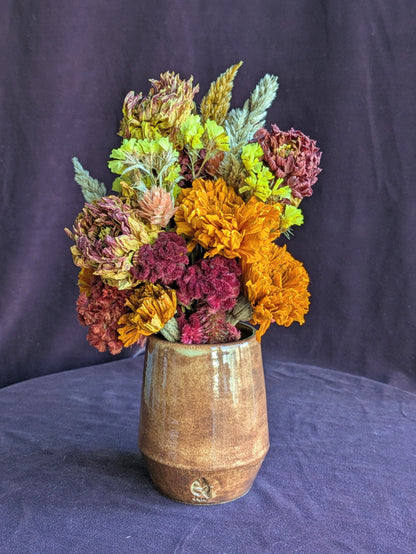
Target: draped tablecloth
x: 340, y: 475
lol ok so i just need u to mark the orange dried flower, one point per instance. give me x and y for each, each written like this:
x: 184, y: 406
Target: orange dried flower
x: 276, y: 286
x: 151, y: 307
x: 213, y: 215
x: 85, y: 278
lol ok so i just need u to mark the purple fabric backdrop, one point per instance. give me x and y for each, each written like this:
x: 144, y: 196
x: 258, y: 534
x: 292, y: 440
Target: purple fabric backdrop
x: 347, y: 73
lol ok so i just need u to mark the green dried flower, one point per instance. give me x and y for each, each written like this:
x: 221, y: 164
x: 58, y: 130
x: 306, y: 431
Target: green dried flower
x: 160, y: 113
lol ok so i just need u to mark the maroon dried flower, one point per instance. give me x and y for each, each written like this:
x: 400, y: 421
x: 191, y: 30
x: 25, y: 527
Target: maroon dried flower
x: 215, y: 281
x: 162, y: 263
x: 291, y: 156
x: 206, y: 326
x: 209, y: 169
x: 192, y: 331
x: 100, y: 309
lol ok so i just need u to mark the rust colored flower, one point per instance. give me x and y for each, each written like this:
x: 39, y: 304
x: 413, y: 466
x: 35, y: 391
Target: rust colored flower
x: 293, y: 157
x: 149, y: 308
x: 276, y: 286
x: 213, y: 215
x: 156, y: 206
x: 99, y: 307
x: 168, y: 103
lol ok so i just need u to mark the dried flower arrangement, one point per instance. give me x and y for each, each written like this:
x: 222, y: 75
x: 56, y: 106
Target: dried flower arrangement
x: 186, y: 244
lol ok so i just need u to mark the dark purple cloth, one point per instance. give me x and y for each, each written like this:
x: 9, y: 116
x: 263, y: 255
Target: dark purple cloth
x: 347, y: 74
x: 339, y: 475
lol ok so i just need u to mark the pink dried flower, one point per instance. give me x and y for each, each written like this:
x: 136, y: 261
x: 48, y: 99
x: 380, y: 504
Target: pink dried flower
x: 100, y: 311
x: 291, y: 156
x: 162, y: 263
x: 106, y: 233
x: 206, y: 326
x: 156, y: 206
x: 192, y: 331
x: 215, y: 281
x: 216, y: 327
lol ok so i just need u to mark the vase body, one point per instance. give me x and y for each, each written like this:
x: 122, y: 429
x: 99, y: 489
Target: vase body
x: 203, y: 421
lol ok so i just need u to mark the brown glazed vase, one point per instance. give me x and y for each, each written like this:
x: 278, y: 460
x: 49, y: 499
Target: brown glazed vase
x: 203, y: 421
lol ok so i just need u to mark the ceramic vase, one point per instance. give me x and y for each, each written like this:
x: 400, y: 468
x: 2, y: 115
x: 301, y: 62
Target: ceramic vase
x: 203, y: 420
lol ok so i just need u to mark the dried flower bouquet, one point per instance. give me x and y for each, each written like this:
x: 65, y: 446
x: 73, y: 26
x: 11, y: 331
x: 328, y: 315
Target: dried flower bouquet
x: 185, y: 245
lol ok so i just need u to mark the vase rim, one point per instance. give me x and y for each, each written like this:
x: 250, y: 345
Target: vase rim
x: 242, y: 326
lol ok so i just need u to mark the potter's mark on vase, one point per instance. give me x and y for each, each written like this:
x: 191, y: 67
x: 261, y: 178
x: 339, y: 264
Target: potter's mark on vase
x: 201, y: 491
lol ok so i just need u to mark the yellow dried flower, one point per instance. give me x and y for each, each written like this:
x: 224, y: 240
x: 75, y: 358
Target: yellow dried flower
x: 151, y: 307
x: 216, y: 102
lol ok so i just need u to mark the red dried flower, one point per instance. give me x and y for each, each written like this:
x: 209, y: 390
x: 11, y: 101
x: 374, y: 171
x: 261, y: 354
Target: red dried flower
x: 206, y: 326
x: 192, y: 331
x: 162, y: 263
x: 215, y: 281
x: 291, y: 156
x: 100, y: 310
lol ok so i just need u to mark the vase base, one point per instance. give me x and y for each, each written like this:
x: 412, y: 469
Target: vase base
x: 200, y: 487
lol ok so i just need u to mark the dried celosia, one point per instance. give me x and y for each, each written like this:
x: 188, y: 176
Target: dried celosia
x: 216, y: 102
x: 99, y: 307
x: 214, y: 281
x: 207, y: 326
x: 163, y: 262
x: 293, y: 157
x: 156, y: 206
x: 166, y: 106
x: 276, y: 286
x: 107, y: 233
x: 213, y: 215
x: 192, y: 330
x: 149, y: 308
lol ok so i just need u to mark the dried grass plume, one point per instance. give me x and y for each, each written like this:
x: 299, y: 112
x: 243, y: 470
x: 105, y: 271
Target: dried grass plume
x: 216, y: 102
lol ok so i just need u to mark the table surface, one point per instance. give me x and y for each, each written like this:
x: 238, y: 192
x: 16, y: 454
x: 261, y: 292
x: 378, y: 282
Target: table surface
x: 340, y: 475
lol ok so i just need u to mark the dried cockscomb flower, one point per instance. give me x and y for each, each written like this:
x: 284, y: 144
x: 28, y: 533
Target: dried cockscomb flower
x: 99, y: 307
x: 163, y: 262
